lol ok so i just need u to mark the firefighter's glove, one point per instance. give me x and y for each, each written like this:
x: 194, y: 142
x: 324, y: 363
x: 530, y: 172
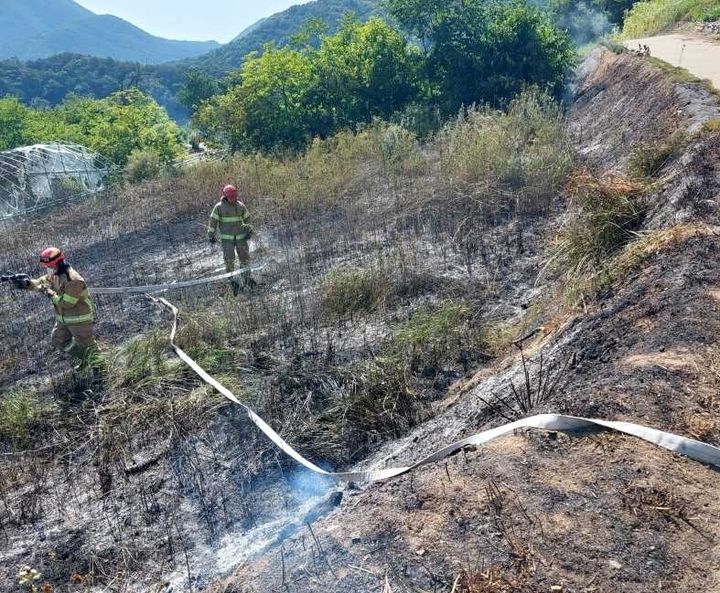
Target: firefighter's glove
x: 49, y: 293
x: 212, y: 239
x: 21, y: 282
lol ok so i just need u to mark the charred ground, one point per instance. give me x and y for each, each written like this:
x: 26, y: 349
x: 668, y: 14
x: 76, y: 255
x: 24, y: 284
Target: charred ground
x: 396, y: 278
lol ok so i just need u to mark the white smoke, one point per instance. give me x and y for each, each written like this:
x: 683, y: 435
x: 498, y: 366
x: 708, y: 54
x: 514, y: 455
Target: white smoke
x: 585, y: 24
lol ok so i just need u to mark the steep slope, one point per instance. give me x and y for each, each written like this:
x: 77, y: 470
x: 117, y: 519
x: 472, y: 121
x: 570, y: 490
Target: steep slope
x: 41, y: 28
x: 547, y: 512
x: 140, y: 475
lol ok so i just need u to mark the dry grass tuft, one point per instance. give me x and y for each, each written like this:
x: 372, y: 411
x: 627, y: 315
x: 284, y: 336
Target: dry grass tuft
x: 702, y: 426
x: 648, y: 159
x: 346, y: 291
x: 712, y: 125
x: 606, y: 214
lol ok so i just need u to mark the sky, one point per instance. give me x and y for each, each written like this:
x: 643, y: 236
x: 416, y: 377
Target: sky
x: 200, y: 20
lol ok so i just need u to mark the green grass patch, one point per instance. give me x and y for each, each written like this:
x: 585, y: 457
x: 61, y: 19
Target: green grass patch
x: 21, y: 412
x: 436, y: 336
x: 347, y: 291
x: 655, y: 16
x: 141, y: 362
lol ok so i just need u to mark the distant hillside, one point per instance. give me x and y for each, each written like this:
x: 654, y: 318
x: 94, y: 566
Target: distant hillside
x: 52, y: 79
x: 31, y: 29
x: 278, y: 28
x: 49, y: 80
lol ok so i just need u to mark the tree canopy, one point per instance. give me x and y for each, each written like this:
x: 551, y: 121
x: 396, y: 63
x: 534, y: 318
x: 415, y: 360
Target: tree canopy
x: 469, y: 51
x: 485, y: 52
x: 285, y: 96
x: 123, y: 123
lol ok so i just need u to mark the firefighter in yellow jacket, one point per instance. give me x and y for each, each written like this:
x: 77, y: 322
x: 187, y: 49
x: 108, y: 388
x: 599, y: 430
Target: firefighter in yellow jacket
x: 74, y: 321
x: 230, y: 222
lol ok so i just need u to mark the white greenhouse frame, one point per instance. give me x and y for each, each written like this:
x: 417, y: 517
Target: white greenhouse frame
x: 44, y: 175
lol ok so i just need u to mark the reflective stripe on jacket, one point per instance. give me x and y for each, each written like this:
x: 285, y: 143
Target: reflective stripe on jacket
x: 229, y: 221
x: 71, y: 300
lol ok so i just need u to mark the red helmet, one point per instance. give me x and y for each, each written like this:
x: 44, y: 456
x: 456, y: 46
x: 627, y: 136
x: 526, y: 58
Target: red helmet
x: 230, y: 193
x: 51, y: 257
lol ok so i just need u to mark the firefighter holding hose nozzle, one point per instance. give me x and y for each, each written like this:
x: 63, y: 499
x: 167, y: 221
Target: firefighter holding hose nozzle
x: 73, y: 332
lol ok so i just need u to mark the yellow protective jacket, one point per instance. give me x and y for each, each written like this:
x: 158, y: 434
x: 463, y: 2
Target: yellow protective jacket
x: 230, y: 221
x: 69, y: 295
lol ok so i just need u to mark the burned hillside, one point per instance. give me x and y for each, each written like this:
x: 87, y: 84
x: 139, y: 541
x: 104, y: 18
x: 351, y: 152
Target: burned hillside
x: 396, y: 276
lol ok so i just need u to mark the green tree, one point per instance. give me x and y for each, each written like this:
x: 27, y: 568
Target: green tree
x: 273, y: 98
x: 364, y: 71
x: 126, y: 121
x: 13, y: 123
x: 197, y: 88
x: 284, y: 97
x: 486, y: 52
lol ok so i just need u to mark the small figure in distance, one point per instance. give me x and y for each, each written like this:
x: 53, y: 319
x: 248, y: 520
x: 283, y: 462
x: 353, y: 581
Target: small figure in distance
x: 230, y: 222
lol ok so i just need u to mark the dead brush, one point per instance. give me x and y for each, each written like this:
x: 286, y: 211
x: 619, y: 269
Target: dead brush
x: 517, y: 528
x: 491, y: 580
x: 647, y: 501
x: 710, y: 379
x: 536, y: 388
x: 702, y: 426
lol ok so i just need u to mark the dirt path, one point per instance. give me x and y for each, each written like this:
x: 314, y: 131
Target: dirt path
x: 698, y: 55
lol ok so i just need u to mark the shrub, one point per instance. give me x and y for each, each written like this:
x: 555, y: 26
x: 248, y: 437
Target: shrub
x: 515, y: 159
x: 142, y: 165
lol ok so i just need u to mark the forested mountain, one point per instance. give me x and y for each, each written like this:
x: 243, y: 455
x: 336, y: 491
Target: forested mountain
x: 33, y: 29
x: 48, y: 81
x: 52, y: 79
x: 278, y: 29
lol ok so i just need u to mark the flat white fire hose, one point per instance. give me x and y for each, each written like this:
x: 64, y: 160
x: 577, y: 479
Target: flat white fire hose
x: 684, y: 446
x: 171, y: 285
